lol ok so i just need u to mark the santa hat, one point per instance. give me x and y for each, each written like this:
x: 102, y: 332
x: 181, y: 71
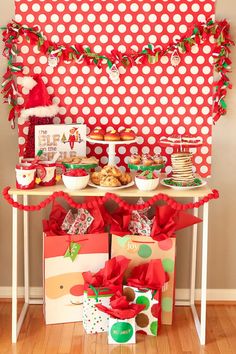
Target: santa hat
x: 38, y: 102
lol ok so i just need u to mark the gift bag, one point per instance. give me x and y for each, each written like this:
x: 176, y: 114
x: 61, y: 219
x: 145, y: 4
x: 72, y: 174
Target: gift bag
x: 95, y: 321
x: 121, y: 331
x: 148, y: 320
x: 141, y: 249
x: 66, y: 257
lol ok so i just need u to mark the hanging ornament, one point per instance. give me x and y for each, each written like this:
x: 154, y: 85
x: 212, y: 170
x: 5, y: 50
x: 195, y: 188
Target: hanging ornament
x: 114, y: 73
x: 175, y: 58
x: 52, y: 60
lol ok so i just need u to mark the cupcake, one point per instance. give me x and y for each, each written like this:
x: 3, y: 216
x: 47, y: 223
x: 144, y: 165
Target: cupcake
x: 158, y: 160
x: 135, y: 159
x: 127, y: 134
x: 112, y: 135
x: 147, y: 160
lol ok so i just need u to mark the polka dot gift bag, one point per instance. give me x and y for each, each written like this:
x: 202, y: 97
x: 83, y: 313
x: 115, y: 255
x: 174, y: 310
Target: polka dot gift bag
x: 99, y: 288
x: 161, y: 244
x: 144, y: 286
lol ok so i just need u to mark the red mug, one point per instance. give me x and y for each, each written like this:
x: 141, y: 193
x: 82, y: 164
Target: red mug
x: 26, y: 175
x: 50, y: 177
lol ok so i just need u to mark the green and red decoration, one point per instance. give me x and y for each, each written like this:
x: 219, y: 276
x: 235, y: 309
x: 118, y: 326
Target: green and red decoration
x: 151, y: 54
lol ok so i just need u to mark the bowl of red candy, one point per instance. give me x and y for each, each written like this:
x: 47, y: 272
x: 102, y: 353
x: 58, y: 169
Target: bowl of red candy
x: 75, y: 179
x: 147, y: 180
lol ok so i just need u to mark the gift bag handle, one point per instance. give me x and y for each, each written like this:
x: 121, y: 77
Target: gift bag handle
x: 96, y: 292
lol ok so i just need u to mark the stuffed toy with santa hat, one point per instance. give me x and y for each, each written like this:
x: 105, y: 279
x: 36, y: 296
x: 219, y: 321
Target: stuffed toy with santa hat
x: 38, y: 108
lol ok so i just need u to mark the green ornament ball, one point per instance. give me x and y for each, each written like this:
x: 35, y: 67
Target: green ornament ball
x: 121, y: 332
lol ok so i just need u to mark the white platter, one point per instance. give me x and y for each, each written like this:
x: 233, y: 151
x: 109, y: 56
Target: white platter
x: 111, y: 188
x: 178, y: 188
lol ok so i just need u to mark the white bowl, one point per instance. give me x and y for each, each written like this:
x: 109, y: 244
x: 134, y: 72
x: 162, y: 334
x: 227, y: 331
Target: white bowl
x: 75, y: 182
x: 146, y: 184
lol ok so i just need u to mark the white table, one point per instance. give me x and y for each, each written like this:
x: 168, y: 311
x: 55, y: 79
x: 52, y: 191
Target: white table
x: 193, y: 194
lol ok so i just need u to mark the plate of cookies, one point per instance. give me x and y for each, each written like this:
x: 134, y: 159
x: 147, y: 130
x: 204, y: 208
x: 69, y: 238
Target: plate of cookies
x: 196, y: 183
x: 109, y: 178
x: 80, y: 162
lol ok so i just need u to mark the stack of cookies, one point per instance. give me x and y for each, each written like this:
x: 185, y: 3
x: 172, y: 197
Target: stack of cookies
x: 182, y: 168
x: 110, y: 176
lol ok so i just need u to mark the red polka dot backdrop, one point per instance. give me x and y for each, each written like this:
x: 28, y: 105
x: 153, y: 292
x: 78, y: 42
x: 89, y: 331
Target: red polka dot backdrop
x: 155, y: 100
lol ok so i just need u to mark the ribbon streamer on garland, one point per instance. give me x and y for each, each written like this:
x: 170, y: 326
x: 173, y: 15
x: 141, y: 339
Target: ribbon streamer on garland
x: 151, y: 54
x: 110, y: 196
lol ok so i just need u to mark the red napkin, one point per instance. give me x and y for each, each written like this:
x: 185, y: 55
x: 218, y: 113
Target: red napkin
x: 110, y: 276
x: 120, y: 307
x: 168, y: 220
x: 149, y: 275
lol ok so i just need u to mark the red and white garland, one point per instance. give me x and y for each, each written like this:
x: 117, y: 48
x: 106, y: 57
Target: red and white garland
x: 151, y: 54
x: 110, y: 196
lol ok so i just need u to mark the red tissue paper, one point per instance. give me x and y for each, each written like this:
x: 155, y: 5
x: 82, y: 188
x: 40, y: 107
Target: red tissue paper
x: 120, y: 308
x: 149, y: 275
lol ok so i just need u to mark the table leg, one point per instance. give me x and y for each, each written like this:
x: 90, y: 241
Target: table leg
x: 14, y: 272
x: 26, y: 249
x: 201, y: 324
x: 204, y: 273
x: 194, y: 256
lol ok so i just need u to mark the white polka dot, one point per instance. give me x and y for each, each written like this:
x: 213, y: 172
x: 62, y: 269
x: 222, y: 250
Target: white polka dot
x: 146, y: 28
x: 181, y: 130
x: 171, y: 7
x: 177, y: 18
x: 187, y: 120
x: 175, y: 120
x: 165, y: 39
x: 171, y: 28
x: 169, y: 130
x: 192, y: 130
x: 189, y: 18
x: 30, y: 18
x: 187, y: 100
x: 140, y: 39
x: 206, y: 49
x: 36, y: 7
x: 193, y: 110
x: 158, y: 29
x: 48, y: 7
x: 208, y: 7
x: 79, y: 18
x: 23, y: 7
x: 163, y: 100
x: 164, y: 18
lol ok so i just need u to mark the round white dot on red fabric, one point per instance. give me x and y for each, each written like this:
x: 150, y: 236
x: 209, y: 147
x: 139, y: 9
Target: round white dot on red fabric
x: 67, y: 39
x: 176, y: 80
x: 37, y: 69
x: 139, y: 80
x: 171, y: 7
x: 170, y: 110
x: 85, y: 28
x: 199, y: 120
x: 204, y: 130
x: 175, y: 120
x: 152, y: 120
x: 74, y: 110
x: 31, y: 59
x: 193, y: 110
x: 152, y: 100
x: 201, y: 18
x: 157, y: 130
x: 48, y: 7
x: 163, y: 100
x: 207, y: 7
x: 152, y: 18
x: 18, y: 18
x: 188, y: 80
x: 183, y: 7
x: 48, y: 28
x: 116, y: 18
x: 30, y: 18
x: 170, y: 90
x: 195, y: 7
x: 164, y: 18
x: 177, y: 18
x: 104, y: 100
x: 103, y: 18
x: 79, y: 38
x: 187, y: 120
x: 86, y: 90
x: 205, y: 110
x: 204, y: 150
x: 164, y: 80
x: 164, y: 59
x: 181, y: 110
x: 206, y: 49
x: 62, y: 110
x: 151, y: 140
x: 171, y: 28
x: 198, y: 160
x: 193, y: 130
x: 189, y: 18
x: 164, y: 39
x: 24, y: 49
x: 193, y: 90
x: 42, y: 18
x: 140, y: 18
x: 181, y: 130
x: 134, y: 110
x: 176, y: 100
x: 145, y: 150
x: 158, y: 29
x: 158, y: 90
x: 146, y: 90
x: 121, y: 110
x: 169, y: 130
x: 79, y: 18
x: 187, y: 100
x: 164, y: 120
x: 60, y: 7
x: 36, y: 7
x: 194, y: 70
x: 146, y: 110
x: 199, y: 100
x: 23, y: 7
x: 139, y: 100
x: 203, y: 169
x: 86, y: 110
x: 134, y: 7
x: 158, y: 110
x: 146, y: 28
x: 62, y: 90
x: 128, y: 18
x: 200, y: 80
x: 159, y: 7
x: 122, y: 7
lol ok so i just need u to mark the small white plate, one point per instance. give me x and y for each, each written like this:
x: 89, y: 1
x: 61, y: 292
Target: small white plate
x: 178, y: 188
x: 111, y: 188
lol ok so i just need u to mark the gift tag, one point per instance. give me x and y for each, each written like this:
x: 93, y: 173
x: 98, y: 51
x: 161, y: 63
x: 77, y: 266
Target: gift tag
x: 52, y: 60
x: 114, y: 73
x: 175, y: 58
x: 72, y: 251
